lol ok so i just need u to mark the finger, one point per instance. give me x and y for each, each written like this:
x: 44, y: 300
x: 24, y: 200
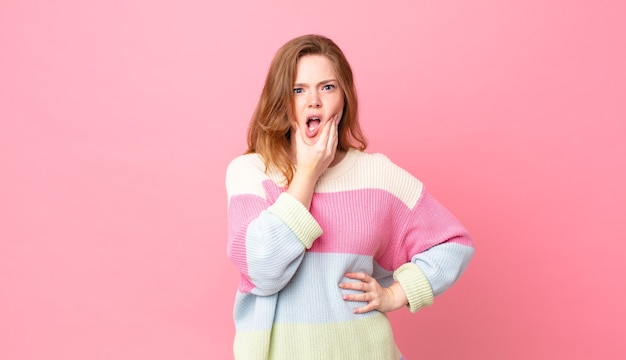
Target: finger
x: 333, y: 139
x: 367, y: 308
x: 325, y: 135
x: 359, y: 285
x: 359, y: 276
x: 363, y: 297
x: 335, y: 122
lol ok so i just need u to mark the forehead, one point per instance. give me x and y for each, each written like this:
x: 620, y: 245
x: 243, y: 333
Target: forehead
x: 314, y: 68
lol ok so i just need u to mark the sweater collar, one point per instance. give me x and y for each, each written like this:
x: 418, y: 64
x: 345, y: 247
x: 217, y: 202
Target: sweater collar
x: 342, y: 167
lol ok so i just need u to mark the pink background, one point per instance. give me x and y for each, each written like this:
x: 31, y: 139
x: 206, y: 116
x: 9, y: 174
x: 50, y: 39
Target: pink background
x: 118, y: 120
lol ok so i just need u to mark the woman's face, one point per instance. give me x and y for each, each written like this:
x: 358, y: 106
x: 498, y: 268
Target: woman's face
x: 317, y: 95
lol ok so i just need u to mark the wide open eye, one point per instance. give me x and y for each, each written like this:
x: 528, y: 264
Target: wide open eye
x: 328, y: 87
x: 298, y: 91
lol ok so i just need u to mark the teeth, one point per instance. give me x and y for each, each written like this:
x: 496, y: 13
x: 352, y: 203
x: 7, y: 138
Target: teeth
x: 313, y: 123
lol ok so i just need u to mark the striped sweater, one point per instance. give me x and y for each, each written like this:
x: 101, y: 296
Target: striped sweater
x: 368, y: 215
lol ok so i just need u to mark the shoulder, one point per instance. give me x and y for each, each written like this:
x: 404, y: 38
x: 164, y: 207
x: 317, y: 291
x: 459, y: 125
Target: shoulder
x: 402, y: 183
x: 377, y: 171
x: 243, y: 164
x: 380, y: 166
x: 245, y: 174
x: 379, y: 159
x: 375, y: 159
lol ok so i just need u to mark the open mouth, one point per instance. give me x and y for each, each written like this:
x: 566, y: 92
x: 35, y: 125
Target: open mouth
x: 313, y: 123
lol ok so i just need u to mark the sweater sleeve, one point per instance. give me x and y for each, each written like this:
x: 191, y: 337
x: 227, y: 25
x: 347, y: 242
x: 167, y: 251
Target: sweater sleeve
x: 266, y: 238
x: 435, y: 251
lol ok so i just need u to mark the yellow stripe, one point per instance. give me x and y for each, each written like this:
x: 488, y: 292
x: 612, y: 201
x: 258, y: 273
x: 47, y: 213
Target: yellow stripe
x: 297, y: 217
x: 368, y: 338
x: 418, y: 291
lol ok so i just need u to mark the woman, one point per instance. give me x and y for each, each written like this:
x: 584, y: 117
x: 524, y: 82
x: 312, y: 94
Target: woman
x: 328, y: 238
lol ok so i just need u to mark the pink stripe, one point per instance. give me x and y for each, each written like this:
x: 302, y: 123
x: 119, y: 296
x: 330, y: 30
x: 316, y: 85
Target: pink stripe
x: 374, y: 222
x: 366, y: 222
x: 243, y: 209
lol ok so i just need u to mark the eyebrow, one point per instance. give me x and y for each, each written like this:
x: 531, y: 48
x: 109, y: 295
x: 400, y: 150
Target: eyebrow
x: 323, y: 82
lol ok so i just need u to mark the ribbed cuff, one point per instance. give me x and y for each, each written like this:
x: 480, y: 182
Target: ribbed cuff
x: 297, y: 217
x: 415, y: 285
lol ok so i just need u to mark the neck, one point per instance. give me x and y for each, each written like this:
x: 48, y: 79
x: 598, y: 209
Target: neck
x: 339, y: 155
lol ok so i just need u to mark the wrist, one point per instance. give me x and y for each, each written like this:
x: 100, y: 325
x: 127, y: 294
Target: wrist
x: 398, y: 296
x: 302, y: 188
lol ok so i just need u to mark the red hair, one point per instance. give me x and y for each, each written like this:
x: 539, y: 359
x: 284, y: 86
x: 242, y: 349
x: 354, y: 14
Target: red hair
x: 270, y: 126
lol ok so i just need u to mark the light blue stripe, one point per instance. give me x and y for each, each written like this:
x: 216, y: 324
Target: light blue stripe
x: 273, y: 253
x: 253, y: 312
x: 443, y: 264
x: 312, y: 296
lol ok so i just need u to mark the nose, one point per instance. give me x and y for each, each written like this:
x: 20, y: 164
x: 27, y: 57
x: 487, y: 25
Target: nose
x: 314, y: 100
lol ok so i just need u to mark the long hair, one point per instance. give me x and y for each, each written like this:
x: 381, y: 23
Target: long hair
x: 270, y: 126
